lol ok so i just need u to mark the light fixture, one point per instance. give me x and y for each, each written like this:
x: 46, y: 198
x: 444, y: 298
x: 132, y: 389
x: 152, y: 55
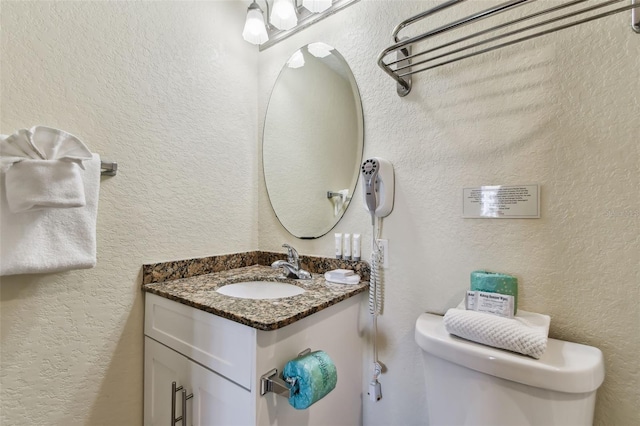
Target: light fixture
x: 317, y: 6
x: 319, y: 49
x: 285, y: 18
x: 255, y: 31
x: 296, y: 60
x: 283, y: 15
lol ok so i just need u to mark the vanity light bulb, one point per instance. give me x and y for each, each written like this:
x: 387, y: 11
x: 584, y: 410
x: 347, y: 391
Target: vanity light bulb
x: 319, y: 49
x: 283, y: 15
x: 317, y: 6
x: 255, y: 31
x: 296, y: 60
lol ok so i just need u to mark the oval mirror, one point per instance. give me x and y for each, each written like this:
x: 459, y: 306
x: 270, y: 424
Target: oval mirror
x: 312, y: 142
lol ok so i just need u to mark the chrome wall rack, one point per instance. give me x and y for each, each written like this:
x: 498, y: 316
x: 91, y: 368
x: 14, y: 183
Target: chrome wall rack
x: 536, y: 23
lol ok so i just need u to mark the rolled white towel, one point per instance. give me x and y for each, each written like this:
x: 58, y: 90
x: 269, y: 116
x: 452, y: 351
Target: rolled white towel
x: 526, y: 333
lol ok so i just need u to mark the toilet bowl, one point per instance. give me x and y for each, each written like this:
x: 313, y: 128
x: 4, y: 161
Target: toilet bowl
x: 471, y: 384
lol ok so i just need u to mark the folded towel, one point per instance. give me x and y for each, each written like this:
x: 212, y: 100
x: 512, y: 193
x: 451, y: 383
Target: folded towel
x: 51, y: 240
x: 43, y: 169
x: 42, y: 143
x: 526, y: 333
x: 38, y: 184
x: 348, y: 279
x: 340, y: 273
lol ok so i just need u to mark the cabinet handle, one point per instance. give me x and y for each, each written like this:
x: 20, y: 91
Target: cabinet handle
x: 185, y: 397
x: 174, y: 390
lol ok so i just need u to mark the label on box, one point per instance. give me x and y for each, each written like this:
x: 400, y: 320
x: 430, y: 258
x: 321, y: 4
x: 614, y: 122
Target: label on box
x: 491, y: 303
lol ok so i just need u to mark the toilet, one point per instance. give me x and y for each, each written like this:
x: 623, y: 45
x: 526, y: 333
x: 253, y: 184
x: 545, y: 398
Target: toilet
x: 471, y: 384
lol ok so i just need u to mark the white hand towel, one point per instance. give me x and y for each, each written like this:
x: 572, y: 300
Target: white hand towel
x: 349, y: 279
x: 43, y: 143
x: 339, y: 273
x: 43, y: 168
x: 51, y: 240
x: 526, y: 333
x: 38, y: 184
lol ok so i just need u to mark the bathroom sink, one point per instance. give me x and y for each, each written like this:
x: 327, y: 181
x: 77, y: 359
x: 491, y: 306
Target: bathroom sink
x: 260, y: 290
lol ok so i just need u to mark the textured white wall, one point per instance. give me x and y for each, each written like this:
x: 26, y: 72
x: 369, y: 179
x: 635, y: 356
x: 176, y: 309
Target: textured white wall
x: 562, y: 112
x: 163, y: 89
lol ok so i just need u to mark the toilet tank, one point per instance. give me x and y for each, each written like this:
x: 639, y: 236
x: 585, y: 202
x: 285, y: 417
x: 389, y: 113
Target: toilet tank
x: 471, y: 384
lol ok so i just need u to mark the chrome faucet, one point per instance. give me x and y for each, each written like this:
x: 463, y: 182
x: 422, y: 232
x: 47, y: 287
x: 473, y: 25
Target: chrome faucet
x: 291, y: 266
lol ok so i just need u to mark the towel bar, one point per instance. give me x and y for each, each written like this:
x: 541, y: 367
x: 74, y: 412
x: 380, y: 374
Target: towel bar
x: 108, y: 168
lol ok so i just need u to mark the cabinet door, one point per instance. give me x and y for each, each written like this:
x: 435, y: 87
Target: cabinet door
x: 162, y: 366
x: 216, y: 400
x: 216, y: 343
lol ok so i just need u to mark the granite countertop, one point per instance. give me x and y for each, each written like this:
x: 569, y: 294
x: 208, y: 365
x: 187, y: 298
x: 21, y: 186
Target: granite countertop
x: 199, y: 291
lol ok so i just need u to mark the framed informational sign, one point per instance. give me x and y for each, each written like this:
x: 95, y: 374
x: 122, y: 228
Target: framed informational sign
x: 501, y: 202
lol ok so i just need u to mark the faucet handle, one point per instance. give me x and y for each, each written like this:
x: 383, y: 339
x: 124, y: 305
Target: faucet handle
x: 292, y: 255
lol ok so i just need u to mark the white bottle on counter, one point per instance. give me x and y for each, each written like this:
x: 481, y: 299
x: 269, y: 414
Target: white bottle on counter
x: 338, y: 237
x: 355, y: 247
x: 346, y: 250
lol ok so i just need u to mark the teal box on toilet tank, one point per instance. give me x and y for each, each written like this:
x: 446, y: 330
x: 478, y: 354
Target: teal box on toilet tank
x: 494, y: 282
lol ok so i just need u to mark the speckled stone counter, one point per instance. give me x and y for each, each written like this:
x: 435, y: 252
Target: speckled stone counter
x: 181, y: 282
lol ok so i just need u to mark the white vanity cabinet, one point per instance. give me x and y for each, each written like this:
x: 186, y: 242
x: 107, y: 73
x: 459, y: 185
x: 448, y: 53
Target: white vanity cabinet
x: 210, y: 399
x: 220, y: 362
x: 209, y: 356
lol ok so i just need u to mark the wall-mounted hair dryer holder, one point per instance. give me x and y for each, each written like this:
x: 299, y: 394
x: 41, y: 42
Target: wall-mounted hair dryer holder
x: 378, y: 185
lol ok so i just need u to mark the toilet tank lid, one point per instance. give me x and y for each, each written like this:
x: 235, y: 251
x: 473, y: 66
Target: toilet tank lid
x: 564, y: 367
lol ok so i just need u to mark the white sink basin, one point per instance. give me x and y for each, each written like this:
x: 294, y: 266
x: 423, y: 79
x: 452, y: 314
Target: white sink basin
x: 260, y: 290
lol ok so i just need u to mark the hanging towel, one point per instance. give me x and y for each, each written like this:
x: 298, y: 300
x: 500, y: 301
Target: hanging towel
x: 37, y: 184
x: 340, y: 201
x: 51, y: 239
x: 43, y: 143
x: 43, y: 169
x: 526, y: 333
